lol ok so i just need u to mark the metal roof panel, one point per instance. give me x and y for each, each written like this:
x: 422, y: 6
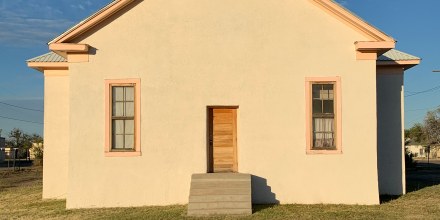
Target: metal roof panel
x: 48, y: 57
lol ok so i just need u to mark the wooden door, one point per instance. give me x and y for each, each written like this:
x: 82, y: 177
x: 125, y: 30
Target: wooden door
x: 223, y: 140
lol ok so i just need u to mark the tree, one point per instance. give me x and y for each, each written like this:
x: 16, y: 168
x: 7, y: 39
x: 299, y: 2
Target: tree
x: 416, y: 133
x: 18, y: 139
x: 432, y: 126
x: 37, y: 147
x: 35, y: 138
x: 15, y: 140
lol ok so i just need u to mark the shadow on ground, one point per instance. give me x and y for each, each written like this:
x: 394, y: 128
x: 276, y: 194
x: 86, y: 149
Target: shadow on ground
x: 423, y: 175
x: 18, y: 163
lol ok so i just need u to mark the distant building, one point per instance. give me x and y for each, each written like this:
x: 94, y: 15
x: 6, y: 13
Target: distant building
x: 415, y: 150
x: 420, y: 151
x: 2, y: 149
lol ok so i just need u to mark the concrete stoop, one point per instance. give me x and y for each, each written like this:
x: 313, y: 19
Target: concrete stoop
x: 220, y: 194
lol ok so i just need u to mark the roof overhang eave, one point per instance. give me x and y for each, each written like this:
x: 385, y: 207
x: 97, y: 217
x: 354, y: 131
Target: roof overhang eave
x: 405, y: 64
x: 348, y: 17
x: 375, y: 46
x: 41, y: 66
x: 91, y: 21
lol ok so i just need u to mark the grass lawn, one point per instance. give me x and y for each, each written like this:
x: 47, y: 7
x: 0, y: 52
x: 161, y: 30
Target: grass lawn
x: 20, y: 197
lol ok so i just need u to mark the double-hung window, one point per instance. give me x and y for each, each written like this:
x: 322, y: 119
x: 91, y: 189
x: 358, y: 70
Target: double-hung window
x: 122, y: 117
x: 323, y: 107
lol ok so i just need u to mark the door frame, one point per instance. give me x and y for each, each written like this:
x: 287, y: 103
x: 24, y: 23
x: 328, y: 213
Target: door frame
x: 209, y: 139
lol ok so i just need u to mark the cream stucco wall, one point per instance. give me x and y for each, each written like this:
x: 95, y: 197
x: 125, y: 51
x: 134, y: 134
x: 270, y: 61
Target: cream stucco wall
x: 193, y: 54
x: 56, y: 133
x: 390, y: 144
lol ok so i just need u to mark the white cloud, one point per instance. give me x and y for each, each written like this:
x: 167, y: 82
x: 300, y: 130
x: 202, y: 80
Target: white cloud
x: 17, y: 30
x: 24, y: 22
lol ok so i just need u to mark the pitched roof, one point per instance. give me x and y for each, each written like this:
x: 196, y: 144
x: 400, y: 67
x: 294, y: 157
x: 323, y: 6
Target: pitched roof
x: 391, y: 55
x: 92, y: 20
x: 48, y: 57
x: 353, y: 20
x: 396, y: 55
x: 364, y: 21
x: 329, y: 5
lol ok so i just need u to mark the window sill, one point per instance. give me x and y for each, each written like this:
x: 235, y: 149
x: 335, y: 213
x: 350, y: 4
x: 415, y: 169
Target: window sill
x: 122, y: 154
x: 317, y: 152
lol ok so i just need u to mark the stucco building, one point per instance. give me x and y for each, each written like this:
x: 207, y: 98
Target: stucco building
x: 301, y: 94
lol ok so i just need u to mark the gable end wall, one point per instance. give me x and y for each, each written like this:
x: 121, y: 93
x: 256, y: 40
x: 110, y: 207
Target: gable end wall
x: 193, y: 54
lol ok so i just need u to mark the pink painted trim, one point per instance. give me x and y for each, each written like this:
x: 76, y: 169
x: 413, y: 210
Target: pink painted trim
x: 364, y: 55
x: 354, y: 21
x: 91, y: 22
x: 399, y: 62
x: 338, y: 114
x: 123, y: 154
x: 137, y: 119
x: 69, y: 47
x: 374, y: 45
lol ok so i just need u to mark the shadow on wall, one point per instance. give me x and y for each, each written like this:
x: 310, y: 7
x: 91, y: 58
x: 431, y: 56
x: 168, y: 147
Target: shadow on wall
x: 261, y: 192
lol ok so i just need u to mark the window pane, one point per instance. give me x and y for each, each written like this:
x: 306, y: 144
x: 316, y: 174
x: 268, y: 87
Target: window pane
x: 323, y: 94
x: 118, y: 141
x: 129, y: 93
x: 118, y: 109
x: 317, y: 106
x: 327, y: 92
x: 129, y: 126
x: 118, y: 126
x: 129, y: 141
x: 328, y: 106
x: 316, y: 91
x: 323, y: 133
x: 129, y: 109
x: 331, y: 95
x: 118, y: 93
x: 327, y: 86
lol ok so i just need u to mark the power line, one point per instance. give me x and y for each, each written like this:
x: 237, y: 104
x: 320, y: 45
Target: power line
x: 30, y: 109
x: 420, y: 109
x: 424, y: 91
x: 16, y: 119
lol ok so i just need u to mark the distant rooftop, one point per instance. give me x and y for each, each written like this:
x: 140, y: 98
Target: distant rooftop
x: 48, y: 57
x: 396, y: 55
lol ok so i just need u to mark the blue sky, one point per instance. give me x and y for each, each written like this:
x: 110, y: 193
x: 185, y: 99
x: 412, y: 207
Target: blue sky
x: 27, y: 25
x: 25, y: 28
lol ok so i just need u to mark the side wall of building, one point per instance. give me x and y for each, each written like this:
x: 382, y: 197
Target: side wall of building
x: 193, y: 54
x: 390, y: 144
x: 56, y: 133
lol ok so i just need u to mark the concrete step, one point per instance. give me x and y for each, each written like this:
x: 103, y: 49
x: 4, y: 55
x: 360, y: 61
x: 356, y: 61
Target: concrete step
x: 219, y: 184
x: 220, y: 205
x: 219, y: 198
x: 209, y: 212
x: 220, y: 194
x: 217, y: 191
x: 221, y: 176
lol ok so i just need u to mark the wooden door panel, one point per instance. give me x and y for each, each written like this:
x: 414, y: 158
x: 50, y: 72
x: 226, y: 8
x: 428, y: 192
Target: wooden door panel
x: 224, y: 140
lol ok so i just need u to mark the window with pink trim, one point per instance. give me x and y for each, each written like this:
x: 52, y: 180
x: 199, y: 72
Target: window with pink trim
x: 323, y: 108
x: 122, y: 107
